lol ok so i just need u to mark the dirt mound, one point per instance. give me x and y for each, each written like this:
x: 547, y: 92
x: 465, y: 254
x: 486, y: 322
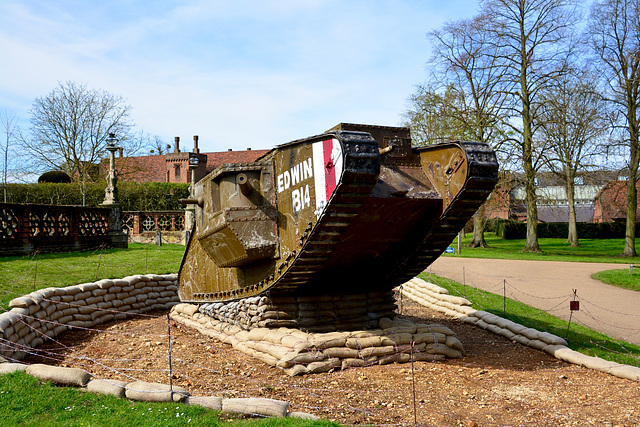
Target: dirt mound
x: 497, y: 382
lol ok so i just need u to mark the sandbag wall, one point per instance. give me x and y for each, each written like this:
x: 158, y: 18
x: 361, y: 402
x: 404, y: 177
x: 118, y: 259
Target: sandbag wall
x: 297, y: 352
x: 324, y: 313
x: 47, y: 313
x: 438, y: 298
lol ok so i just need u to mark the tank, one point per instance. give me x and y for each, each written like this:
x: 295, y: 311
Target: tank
x: 355, y: 210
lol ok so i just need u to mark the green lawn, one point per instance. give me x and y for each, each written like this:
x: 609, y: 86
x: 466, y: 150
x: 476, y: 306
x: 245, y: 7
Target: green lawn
x: 22, y: 275
x: 590, y: 250
x: 623, y: 278
x: 25, y: 401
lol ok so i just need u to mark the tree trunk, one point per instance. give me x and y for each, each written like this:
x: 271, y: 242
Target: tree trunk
x: 632, y: 193
x: 531, y: 244
x: 478, y: 230
x: 632, y: 203
x: 572, y: 238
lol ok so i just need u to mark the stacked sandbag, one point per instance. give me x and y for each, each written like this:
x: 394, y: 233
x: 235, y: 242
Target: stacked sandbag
x: 323, y: 313
x: 437, y: 298
x: 298, y: 352
x: 153, y: 392
x: 47, y: 313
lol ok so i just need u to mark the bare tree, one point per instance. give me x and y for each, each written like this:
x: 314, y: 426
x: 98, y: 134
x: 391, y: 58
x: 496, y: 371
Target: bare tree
x: 157, y: 145
x: 530, y: 40
x: 465, y: 60
x: 432, y: 115
x: 614, y: 33
x: 8, y: 124
x: 574, y: 119
x: 69, y: 128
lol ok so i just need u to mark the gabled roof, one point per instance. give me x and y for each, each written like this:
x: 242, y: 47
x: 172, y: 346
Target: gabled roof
x: 139, y: 168
x: 219, y: 158
x: 154, y: 168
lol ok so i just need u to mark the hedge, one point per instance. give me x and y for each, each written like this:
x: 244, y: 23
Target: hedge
x: 510, y: 229
x: 150, y: 196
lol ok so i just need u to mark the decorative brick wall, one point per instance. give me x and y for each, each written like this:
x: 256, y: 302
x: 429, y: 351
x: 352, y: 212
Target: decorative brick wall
x: 26, y: 228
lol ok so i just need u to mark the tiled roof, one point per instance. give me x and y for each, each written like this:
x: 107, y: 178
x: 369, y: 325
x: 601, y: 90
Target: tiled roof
x: 216, y: 159
x: 154, y: 168
x: 142, y: 168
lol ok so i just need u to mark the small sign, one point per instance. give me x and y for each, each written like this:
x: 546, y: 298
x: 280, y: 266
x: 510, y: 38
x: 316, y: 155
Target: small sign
x: 449, y: 250
x: 574, y: 305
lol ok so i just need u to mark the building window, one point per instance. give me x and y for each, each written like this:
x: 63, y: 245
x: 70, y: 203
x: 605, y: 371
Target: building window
x: 177, y: 171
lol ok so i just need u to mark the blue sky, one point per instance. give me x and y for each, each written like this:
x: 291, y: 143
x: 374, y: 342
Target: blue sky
x: 238, y: 73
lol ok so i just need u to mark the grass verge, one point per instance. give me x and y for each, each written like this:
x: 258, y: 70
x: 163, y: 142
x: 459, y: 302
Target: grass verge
x: 590, y: 250
x: 26, y: 401
x: 579, y: 338
x: 623, y: 278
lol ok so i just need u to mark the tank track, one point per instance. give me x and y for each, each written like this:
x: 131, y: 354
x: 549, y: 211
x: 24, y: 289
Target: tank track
x: 362, y: 167
x: 361, y: 174
x: 482, y: 177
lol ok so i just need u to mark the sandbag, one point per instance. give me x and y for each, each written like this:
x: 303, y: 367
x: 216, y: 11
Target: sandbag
x: 59, y: 375
x: 376, y: 351
x: 340, y: 352
x: 209, y: 402
x: 364, y: 342
x: 296, y: 370
x: 107, y: 387
x: 435, y: 328
x: 7, y: 368
x: 324, y: 366
x: 155, y: 392
x: 444, y: 350
x: 453, y: 342
x: 256, y: 407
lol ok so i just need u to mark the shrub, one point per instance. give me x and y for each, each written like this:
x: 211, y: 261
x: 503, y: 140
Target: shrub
x: 54, y: 177
x: 510, y: 229
x: 134, y: 196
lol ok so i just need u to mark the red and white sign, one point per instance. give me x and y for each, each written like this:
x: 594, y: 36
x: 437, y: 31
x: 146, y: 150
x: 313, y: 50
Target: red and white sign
x: 327, y: 170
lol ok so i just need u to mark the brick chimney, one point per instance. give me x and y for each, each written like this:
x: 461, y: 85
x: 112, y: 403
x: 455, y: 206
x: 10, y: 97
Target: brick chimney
x: 195, y: 144
x: 177, y: 148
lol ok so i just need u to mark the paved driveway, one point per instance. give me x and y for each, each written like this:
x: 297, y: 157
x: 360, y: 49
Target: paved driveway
x: 549, y: 285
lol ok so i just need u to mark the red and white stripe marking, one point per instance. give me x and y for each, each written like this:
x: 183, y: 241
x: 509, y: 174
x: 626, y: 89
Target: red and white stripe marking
x: 327, y: 170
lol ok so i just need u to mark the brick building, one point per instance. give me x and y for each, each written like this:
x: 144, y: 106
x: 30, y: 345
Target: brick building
x: 611, y: 202
x: 174, y: 166
x: 508, y: 201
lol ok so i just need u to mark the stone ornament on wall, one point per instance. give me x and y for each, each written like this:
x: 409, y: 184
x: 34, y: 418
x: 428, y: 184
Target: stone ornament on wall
x: 8, y: 224
x: 93, y: 224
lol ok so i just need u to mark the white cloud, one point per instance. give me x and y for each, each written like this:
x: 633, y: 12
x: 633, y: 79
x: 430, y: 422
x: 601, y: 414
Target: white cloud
x: 240, y: 74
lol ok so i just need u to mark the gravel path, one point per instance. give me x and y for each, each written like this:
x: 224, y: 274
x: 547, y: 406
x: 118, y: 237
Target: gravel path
x: 549, y: 285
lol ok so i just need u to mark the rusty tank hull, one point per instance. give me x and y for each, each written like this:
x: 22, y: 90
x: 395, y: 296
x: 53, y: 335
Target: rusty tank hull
x: 351, y: 211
